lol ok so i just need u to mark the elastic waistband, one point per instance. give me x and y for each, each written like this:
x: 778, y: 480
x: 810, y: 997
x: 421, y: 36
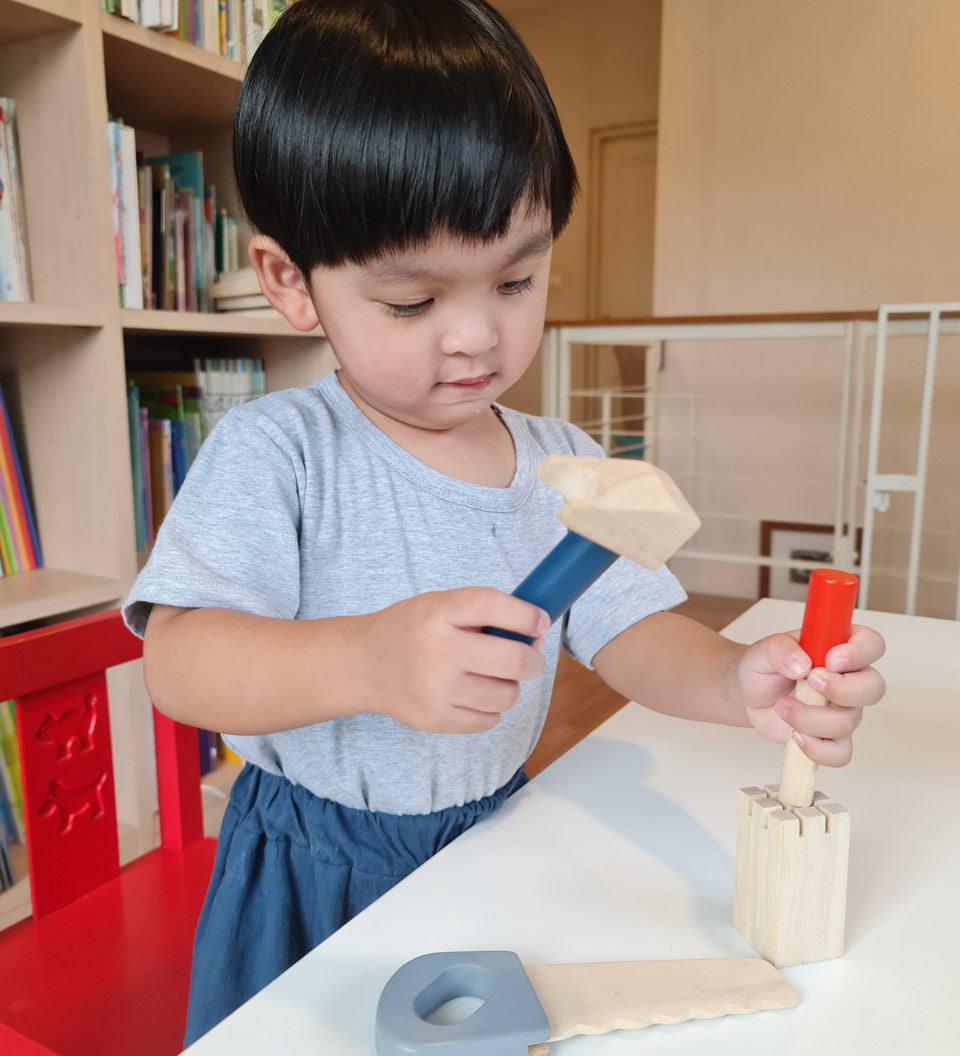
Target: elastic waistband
x: 386, y: 844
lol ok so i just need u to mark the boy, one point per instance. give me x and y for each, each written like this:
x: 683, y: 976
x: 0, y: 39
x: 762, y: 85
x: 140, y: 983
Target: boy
x: 318, y: 589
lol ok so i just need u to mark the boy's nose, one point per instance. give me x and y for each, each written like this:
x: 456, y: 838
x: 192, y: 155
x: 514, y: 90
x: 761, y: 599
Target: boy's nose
x: 471, y: 335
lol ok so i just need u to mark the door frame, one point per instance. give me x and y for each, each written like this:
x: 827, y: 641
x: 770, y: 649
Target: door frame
x: 599, y: 137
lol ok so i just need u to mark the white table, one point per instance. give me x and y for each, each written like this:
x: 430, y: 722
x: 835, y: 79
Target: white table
x: 623, y: 850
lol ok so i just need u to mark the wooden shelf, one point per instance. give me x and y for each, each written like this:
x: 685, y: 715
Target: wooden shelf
x: 211, y: 323
x: 48, y: 592
x: 25, y: 19
x: 31, y: 314
x: 156, y: 82
x: 68, y: 64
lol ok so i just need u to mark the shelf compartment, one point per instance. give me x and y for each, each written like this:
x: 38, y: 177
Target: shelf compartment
x: 197, y: 89
x: 47, y: 592
x: 25, y: 19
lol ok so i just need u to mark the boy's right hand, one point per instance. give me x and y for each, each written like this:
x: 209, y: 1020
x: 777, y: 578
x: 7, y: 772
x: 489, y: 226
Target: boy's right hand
x: 428, y: 665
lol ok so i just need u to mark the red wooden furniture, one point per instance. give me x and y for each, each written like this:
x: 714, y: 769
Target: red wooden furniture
x: 103, y: 966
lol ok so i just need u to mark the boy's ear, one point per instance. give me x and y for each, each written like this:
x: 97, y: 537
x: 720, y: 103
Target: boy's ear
x: 282, y: 283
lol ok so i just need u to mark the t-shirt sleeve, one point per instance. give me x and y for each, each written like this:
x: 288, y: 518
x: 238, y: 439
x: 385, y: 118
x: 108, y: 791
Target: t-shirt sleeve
x: 625, y: 594
x: 230, y: 539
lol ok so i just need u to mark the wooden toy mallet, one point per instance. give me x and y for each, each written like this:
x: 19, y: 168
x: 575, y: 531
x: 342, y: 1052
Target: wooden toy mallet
x: 790, y: 883
x: 615, y: 507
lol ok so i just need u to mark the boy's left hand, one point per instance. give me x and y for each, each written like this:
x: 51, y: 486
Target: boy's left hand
x: 765, y: 675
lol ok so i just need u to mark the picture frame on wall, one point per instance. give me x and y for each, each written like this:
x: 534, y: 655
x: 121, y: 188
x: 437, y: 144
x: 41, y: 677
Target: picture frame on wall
x: 793, y: 539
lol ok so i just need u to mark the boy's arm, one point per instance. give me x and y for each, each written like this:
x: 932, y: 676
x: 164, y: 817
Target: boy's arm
x: 422, y: 661
x: 676, y: 666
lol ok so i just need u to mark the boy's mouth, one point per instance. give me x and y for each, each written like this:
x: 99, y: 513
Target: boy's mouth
x: 480, y: 381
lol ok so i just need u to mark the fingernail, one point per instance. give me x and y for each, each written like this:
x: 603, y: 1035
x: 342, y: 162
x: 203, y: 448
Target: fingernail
x: 817, y: 682
x: 543, y: 623
x: 798, y: 739
x: 841, y: 662
x: 781, y: 709
x: 795, y: 666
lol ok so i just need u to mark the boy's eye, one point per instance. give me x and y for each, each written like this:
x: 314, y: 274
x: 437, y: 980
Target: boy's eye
x: 407, y: 311
x: 518, y: 285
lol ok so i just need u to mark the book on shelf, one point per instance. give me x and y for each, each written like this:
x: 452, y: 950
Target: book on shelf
x: 226, y: 243
x: 11, y: 794
x: 159, y: 438
x: 131, y: 286
x: 145, y: 452
x: 7, y: 876
x: 232, y: 28
x: 261, y: 15
x: 135, y: 438
x: 226, y: 383
x: 163, y: 238
x: 113, y: 156
x: 145, y: 230
x: 242, y: 282
x: 14, y: 267
x: 192, y: 267
x: 10, y: 760
x: 154, y: 14
x: 19, y: 541
x: 239, y: 291
x: 169, y: 235
x: 241, y: 303
x: 11, y: 827
x: 169, y: 415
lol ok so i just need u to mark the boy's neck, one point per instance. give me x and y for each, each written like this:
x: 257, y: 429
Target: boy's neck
x: 480, y: 451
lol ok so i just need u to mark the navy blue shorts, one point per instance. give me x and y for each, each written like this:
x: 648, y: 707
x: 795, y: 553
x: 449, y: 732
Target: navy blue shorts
x: 290, y: 869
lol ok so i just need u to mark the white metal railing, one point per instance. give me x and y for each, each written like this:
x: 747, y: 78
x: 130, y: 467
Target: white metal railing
x: 852, y: 331
x: 880, y: 485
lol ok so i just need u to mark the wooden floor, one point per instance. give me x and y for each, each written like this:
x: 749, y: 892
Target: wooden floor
x: 581, y: 700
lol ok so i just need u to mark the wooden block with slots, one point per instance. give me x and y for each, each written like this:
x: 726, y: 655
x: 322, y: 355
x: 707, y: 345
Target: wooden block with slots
x: 790, y: 882
x: 790, y: 888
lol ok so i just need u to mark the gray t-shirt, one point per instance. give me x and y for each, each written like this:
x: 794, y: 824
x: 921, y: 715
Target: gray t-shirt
x: 298, y: 507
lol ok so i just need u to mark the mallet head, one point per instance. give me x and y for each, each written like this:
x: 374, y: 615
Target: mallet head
x: 623, y: 504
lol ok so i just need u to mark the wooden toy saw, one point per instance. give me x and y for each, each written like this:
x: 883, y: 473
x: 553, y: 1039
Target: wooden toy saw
x: 526, y: 1007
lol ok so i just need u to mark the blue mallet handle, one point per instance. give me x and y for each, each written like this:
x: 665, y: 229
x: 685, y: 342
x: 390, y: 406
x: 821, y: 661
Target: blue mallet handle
x: 560, y: 578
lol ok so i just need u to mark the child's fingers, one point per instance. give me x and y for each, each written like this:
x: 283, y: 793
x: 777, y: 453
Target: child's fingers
x: 476, y: 607
x: 827, y: 752
x: 825, y: 723
x: 778, y: 654
x: 490, y: 656
x: 858, y: 689
x: 466, y: 720
x: 864, y: 647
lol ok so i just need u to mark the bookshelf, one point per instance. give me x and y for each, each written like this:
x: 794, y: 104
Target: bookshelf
x: 63, y: 356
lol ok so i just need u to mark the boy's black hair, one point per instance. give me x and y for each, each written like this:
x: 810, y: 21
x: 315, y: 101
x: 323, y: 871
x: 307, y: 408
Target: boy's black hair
x: 365, y: 126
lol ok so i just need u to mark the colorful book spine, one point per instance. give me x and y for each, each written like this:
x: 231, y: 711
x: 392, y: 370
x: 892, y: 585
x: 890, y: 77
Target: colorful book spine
x: 24, y: 540
x: 136, y: 465
x: 8, y: 549
x: 12, y: 208
x: 147, y: 473
x: 10, y: 760
x: 113, y: 155
x: 161, y: 469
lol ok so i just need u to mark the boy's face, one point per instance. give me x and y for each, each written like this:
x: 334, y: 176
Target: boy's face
x: 431, y: 336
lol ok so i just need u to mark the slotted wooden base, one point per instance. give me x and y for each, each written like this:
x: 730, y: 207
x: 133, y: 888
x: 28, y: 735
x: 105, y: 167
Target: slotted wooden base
x: 790, y: 885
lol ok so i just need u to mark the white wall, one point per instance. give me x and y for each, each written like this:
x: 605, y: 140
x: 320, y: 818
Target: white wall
x: 808, y: 155
x: 808, y: 161
x: 601, y: 62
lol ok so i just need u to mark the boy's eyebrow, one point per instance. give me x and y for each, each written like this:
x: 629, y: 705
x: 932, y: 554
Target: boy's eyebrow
x: 397, y: 269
